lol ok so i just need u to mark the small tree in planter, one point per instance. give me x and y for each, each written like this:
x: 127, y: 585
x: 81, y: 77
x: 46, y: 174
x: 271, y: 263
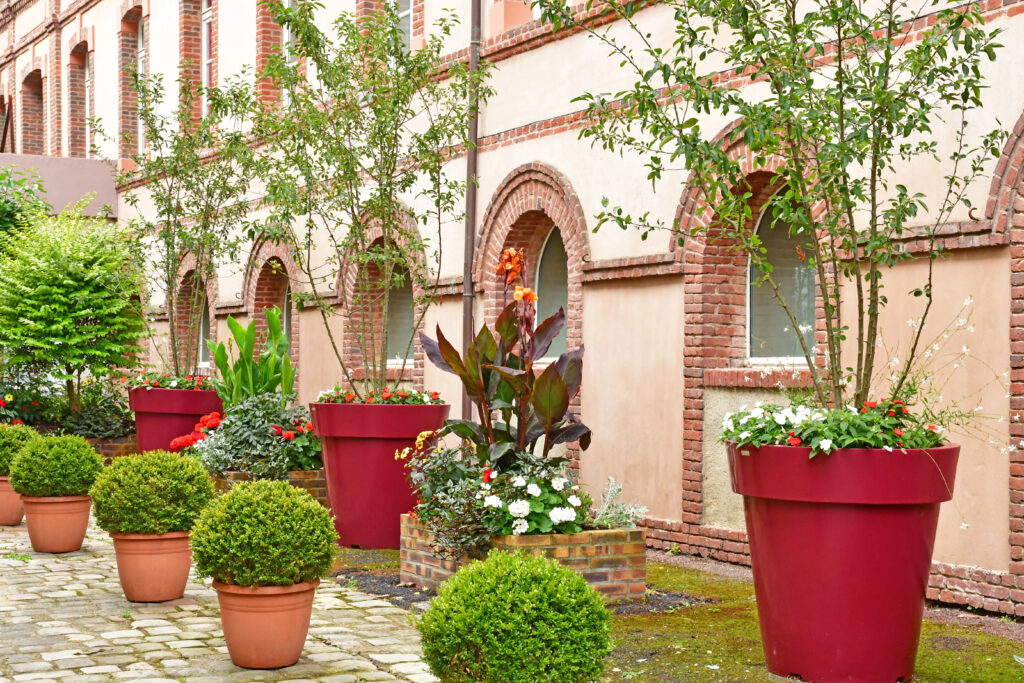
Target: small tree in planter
x: 148, y: 503
x: 836, y: 100
x: 12, y: 439
x: 349, y: 155
x: 53, y: 475
x: 266, y: 545
x: 69, y: 293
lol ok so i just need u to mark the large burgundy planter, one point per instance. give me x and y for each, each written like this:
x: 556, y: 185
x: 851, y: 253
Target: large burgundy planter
x: 162, y: 415
x: 841, y: 548
x: 366, y: 485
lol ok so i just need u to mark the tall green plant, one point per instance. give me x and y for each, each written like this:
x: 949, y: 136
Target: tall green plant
x: 69, y: 300
x: 837, y: 100
x: 242, y: 377
x: 363, y: 132
x: 190, y: 189
x: 22, y: 199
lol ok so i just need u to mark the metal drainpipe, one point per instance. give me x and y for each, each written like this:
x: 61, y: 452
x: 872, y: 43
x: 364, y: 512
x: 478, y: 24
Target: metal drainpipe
x: 469, y: 246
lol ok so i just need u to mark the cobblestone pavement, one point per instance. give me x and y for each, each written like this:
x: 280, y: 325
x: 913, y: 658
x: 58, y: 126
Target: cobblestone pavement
x: 64, y: 618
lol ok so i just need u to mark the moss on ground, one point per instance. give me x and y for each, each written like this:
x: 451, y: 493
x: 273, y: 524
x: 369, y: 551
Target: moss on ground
x: 349, y: 559
x: 720, y: 641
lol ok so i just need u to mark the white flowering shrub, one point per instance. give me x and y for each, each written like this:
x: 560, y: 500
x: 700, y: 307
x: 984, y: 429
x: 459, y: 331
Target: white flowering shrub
x: 876, y: 424
x: 535, y: 500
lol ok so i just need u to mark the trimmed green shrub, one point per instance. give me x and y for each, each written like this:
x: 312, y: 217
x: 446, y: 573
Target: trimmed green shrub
x: 264, y: 533
x: 151, y: 493
x: 12, y: 438
x: 55, y: 466
x: 516, y: 619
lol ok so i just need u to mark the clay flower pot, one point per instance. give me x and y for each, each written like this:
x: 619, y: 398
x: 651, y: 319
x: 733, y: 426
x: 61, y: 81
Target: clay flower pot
x: 11, y: 507
x: 57, y: 524
x: 153, y: 567
x: 265, y: 627
x: 366, y: 485
x: 841, y: 546
x: 162, y: 415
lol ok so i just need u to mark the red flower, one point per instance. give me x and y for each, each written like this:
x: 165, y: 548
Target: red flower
x: 349, y: 397
x: 276, y: 429
x: 288, y: 435
x: 213, y: 422
x: 309, y: 426
x: 488, y: 475
x: 371, y: 400
x: 3, y: 403
x: 434, y: 395
x: 35, y: 403
x: 16, y: 421
x: 402, y: 394
x: 870, y: 404
x: 932, y: 427
x: 892, y: 414
x: 298, y: 428
x: 794, y: 440
x: 898, y: 431
x: 386, y: 395
x: 124, y: 379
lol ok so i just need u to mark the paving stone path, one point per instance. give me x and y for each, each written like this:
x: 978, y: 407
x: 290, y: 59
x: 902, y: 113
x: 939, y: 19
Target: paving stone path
x: 64, y: 618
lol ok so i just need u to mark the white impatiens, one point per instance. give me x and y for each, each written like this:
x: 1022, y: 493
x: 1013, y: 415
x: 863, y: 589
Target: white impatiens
x: 561, y: 515
x: 519, y: 508
x: 533, y: 489
x: 519, y: 527
x: 825, y: 445
x: 559, y: 483
x: 492, y: 502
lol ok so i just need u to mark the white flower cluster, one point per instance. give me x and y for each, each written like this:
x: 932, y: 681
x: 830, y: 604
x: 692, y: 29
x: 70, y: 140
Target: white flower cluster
x: 787, y: 416
x: 559, y: 483
x: 560, y: 515
x: 519, y: 508
x: 492, y: 502
x: 519, y: 527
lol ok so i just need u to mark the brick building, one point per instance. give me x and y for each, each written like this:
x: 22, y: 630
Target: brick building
x: 674, y: 335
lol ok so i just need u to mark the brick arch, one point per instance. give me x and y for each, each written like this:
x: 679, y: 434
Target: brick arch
x: 270, y: 271
x: 132, y: 12
x: 187, y: 289
x: 529, y: 203
x: 33, y: 129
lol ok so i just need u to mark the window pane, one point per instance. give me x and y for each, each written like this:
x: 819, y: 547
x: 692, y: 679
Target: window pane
x: 553, y: 286
x: 204, y: 333
x: 286, y: 315
x: 401, y: 317
x: 771, y: 333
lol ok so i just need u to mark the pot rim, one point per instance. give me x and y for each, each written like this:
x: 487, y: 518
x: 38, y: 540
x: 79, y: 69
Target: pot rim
x: 145, y: 537
x: 53, y: 499
x: 265, y: 590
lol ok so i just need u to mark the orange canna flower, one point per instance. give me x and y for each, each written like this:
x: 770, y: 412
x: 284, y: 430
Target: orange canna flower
x: 525, y: 294
x: 511, y: 264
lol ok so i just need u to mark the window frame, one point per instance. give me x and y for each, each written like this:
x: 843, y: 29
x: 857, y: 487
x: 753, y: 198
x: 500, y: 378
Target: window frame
x: 546, y: 360
x: 403, y: 17
x: 204, y: 350
x: 87, y: 100
x: 141, y: 61
x: 206, y: 53
x: 287, y: 38
x: 400, y: 363
x: 786, y: 362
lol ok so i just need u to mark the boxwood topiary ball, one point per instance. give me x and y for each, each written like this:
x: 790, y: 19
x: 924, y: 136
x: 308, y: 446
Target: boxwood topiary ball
x: 12, y: 438
x: 55, y: 466
x: 516, y: 619
x: 264, y: 533
x: 151, y: 493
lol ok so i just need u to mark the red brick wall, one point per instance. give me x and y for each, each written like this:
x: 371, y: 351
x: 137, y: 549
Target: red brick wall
x: 77, y: 144
x: 127, y: 55
x: 115, y: 447
x: 271, y: 270
x: 312, y: 481
x: 33, y: 131
x: 268, y: 39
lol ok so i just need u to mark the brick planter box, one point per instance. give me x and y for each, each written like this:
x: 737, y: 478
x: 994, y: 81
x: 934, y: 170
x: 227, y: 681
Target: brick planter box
x: 612, y: 561
x: 115, y: 447
x: 310, y: 480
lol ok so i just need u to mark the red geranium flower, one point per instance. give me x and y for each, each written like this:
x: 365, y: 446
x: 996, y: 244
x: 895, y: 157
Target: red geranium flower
x: 898, y: 431
x: 16, y: 421
x: 309, y: 426
x: 870, y: 404
x: 276, y: 429
x: 288, y: 435
x: 932, y: 427
x: 434, y: 395
x: 488, y: 475
x: 794, y: 440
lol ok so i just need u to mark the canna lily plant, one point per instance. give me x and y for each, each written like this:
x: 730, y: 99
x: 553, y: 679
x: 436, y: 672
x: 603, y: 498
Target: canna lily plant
x: 247, y: 375
x: 519, y: 406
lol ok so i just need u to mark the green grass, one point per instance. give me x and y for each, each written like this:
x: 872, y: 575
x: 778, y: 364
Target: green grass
x: 720, y: 641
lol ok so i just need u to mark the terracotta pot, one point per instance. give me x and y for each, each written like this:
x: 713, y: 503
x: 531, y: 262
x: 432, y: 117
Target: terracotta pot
x: 265, y: 627
x: 366, y: 485
x: 153, y: 567
x: 57, y: 524
x: 841, y: 548
x: 162, y: 415
x: 11, y: 507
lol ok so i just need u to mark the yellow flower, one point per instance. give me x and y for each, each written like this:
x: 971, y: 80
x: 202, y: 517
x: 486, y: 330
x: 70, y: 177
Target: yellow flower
x: 422, y: 439
x: 524, y: 294
x: 9, y: 397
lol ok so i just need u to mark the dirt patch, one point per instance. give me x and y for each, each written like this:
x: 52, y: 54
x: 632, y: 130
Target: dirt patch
x: 1004, y: 627
x: 659, y: 602
x: 953, y: 643
x: 383, y: 583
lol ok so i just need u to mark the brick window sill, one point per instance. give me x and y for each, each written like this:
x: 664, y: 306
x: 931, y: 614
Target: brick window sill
x: 758, y: 378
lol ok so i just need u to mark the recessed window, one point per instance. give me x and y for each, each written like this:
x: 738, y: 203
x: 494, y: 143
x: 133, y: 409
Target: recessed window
x: 401, y: 321
x: 287, y: 37
x: 204, y: 337
x: 140, y: 64
x: 553, y: 286
x: 206, y: 66
x: 404, y: 9
x: 87, y: 101
x: 770, y: 332
x: 286, y: 314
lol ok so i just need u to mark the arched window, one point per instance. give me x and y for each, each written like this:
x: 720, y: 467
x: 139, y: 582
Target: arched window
x: 207, y: 52
x: 286, y: 313
x: 552, y: 286
x: 770, y: 333
x: 401, y: 321
x: 404, y: 9
x: 204, y: 337
x: 87, y: 95
x: 288, y: 38
x: 140, y: 64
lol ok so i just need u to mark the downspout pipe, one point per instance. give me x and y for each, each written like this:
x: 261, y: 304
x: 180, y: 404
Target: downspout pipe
x: 469, y: 243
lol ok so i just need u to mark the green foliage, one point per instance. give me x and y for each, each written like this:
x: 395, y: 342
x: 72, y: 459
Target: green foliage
x: 516, y: 407
x: 102, y: 413
x: 242, y: 377
x: 382, y: 124
x: 196, y: 175
x: 515, y: 619
x: 611, y: 514
x: 55, y: 466
x: 838, y: 135
x: 69, y: 300
x: 264, y: 533
x: 25, y: 395
x: 150, y: 493
x: 12, y: 439
x: 21, y: 200
x: 262, y: 438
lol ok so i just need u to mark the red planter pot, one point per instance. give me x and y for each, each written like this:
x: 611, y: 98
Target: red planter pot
x: 57, y: 524
x: 162, y: 415
x: 11, y: 508
x: 841, y: 548
x: 153, y: 567
x: 265, y: 627
x: 366, y: 485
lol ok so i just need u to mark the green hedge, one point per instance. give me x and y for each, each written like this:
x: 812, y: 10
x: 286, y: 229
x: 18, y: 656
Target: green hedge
x: 12, y: 439
x: 55, y: 466
x: 516, y: 619
x: 264, y: 533
x: 151, y: 493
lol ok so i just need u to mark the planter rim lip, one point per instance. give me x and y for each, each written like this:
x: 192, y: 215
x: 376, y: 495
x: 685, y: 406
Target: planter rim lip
x: 146, y: 537
x: 54, y: 499
x: 387, y: 421
x: 211, y: 390
x: 851, y: 451
x: 222, y: 587
x: 377, y: 406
